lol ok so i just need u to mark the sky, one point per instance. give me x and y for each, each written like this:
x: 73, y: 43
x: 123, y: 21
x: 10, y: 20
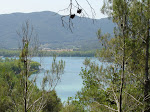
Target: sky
x: 26, y: 6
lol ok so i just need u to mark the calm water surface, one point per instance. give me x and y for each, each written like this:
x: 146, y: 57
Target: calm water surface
x: 70, y: 82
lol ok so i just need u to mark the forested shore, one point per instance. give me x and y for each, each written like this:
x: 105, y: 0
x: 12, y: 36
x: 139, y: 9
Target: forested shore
x: 15, y: 53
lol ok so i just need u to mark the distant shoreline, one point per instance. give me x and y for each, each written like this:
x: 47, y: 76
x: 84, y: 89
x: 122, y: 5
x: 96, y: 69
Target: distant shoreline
x: 15, y: 53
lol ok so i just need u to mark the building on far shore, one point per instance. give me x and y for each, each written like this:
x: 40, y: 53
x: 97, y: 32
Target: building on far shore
x: 56, y: 50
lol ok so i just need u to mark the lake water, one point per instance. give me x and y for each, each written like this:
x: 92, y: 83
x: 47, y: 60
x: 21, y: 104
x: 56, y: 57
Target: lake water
x: 70, y: 82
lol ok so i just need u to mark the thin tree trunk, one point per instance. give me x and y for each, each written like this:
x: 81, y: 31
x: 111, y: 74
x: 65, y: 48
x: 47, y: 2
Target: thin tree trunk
x: 26, y: 73
x: 123, y: 60
x: 122, y: 76
x: 26, y: 84
x: 146, y: 81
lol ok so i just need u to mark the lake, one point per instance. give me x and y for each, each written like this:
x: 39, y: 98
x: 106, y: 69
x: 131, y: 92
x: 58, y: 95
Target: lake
x: 70, y: 82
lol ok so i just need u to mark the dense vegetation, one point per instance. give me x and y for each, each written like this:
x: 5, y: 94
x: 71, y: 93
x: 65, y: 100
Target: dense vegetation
x: 11, y: 88
x: 12, y: 53
x: 123, y: 84
x: 9, y: 53
x: 17, y: 92
x: 70, y: 53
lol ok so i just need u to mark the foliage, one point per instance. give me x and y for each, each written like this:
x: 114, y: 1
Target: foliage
x: 72, y: 106
x: 77, y: 53
x: 122, y: 83
x: 53, y: 103
x: 10, y: 88
x: 17, y: 92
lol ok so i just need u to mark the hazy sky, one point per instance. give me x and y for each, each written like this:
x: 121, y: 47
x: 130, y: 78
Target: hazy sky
x: 11, y: 6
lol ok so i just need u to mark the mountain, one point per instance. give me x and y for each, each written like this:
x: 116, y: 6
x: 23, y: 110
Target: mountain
x: 51, y: 33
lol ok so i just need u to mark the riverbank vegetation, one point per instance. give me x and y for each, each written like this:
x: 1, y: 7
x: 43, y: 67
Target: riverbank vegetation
x: 15, y: 53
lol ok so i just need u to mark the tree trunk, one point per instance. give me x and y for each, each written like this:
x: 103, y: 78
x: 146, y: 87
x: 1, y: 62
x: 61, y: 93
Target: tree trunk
x: 123, y: 60
x: 146, y: 81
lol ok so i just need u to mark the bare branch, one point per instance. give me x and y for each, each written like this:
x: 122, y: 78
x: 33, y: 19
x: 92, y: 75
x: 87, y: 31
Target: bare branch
x: 133, y: 98
x: 115, y: 97
x: 106, y: 106
x: 75, y: 5
x: 147, y: 97
x: 34, y: 102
